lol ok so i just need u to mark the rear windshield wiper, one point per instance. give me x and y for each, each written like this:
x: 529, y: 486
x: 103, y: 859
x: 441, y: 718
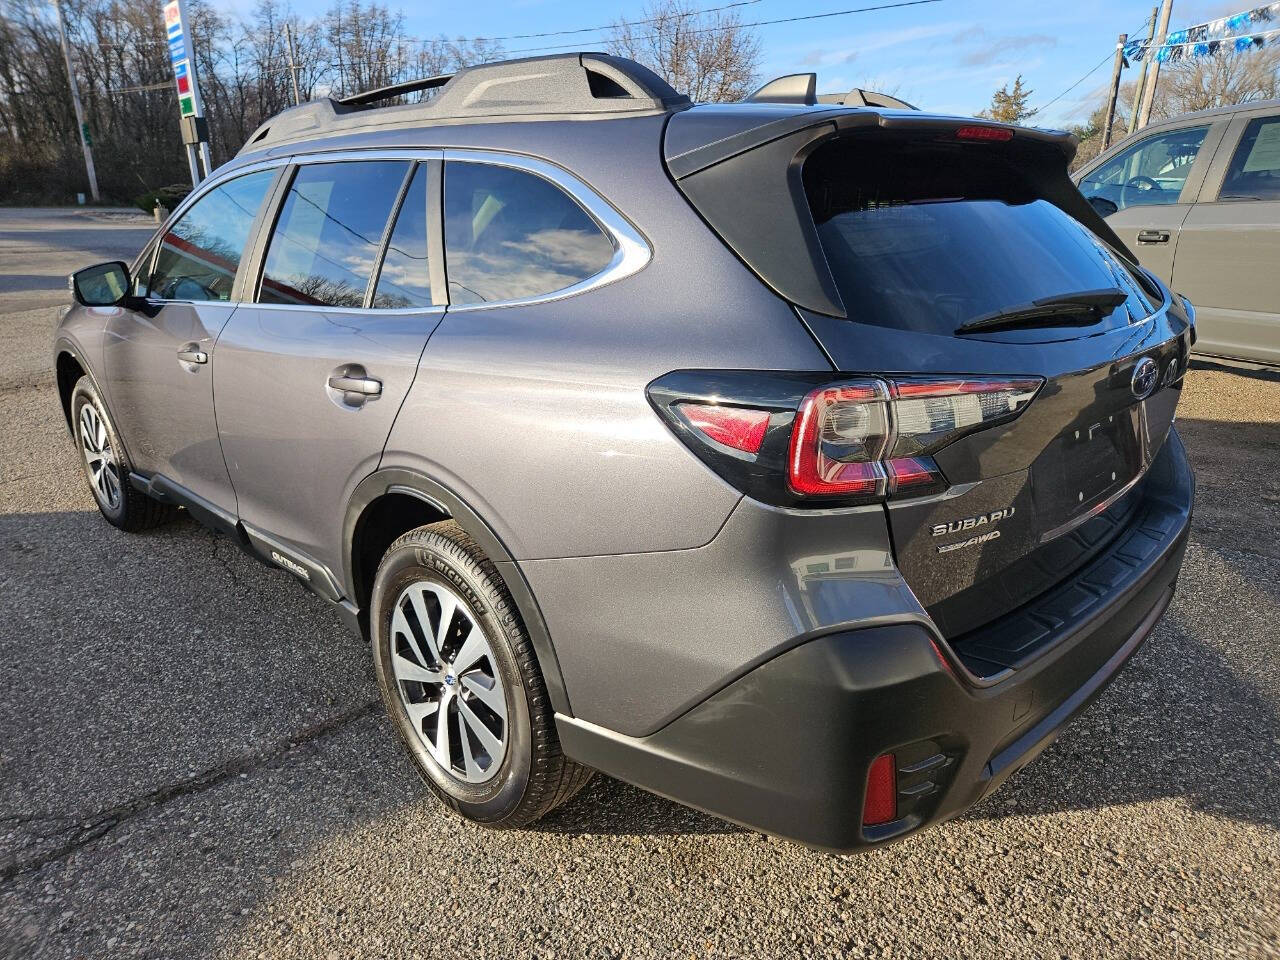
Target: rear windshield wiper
x: 1089, y: 305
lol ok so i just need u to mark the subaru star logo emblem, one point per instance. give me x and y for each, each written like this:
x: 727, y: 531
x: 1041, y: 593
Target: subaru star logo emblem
x: 1145, y: 372
x: 450, y: 679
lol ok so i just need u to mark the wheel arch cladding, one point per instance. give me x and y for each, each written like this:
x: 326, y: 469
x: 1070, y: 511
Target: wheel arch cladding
x: 69, y: 370
x: 392, y: 502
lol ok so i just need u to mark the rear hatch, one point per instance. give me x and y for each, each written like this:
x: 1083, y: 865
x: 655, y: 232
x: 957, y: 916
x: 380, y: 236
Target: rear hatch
x: 945, y: 249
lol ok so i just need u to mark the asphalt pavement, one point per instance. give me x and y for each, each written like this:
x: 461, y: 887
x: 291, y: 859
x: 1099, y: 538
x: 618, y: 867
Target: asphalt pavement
x: 194, y: 763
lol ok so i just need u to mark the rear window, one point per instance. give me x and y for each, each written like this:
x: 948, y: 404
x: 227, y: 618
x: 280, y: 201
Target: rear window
x: 1254, y: 173
x: 927, y: 238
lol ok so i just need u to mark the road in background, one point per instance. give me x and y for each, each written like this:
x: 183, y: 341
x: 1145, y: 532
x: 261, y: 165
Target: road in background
x: 194, y: 761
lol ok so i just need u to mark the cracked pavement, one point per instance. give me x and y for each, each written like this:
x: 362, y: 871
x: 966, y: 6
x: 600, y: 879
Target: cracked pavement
x: 194, y: 763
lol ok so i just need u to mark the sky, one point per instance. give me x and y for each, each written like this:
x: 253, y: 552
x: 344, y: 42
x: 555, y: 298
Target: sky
x: 946, y: 56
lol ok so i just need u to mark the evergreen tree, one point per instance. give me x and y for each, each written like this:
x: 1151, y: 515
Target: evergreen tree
x: 1010, y: 106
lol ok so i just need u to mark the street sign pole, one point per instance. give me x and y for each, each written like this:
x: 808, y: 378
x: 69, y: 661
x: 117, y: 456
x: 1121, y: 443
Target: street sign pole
x: 195, y: 129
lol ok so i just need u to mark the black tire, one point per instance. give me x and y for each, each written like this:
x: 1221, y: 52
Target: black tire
x: 130, y: 509
x: 534, y: 776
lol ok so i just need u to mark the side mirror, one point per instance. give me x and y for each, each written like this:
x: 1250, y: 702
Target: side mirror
x: 1103, y: 206
x: 102, y: 285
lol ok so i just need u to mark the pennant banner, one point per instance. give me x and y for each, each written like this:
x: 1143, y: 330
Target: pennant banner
x: 1235, y: 34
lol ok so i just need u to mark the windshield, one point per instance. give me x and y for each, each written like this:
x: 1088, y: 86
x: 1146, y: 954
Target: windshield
x: 916, y: 241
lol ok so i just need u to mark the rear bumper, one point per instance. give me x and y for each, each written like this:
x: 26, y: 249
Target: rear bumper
x: 786, y: 747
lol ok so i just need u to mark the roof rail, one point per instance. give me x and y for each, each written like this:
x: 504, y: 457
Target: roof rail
x: 858, y: 97
x: 395, y: 90
x: 801, y: 88
x: 567, y: 85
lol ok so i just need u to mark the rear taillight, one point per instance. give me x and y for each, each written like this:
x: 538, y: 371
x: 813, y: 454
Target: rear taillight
x: 872, y: 438
x: 797, y: 439
x: 839, y: 438
x: 739, y: 428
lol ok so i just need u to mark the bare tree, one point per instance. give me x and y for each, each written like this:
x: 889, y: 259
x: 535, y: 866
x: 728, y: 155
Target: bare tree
x: 710, y: 56
x: 121, y: 59
x: 1218, y: 80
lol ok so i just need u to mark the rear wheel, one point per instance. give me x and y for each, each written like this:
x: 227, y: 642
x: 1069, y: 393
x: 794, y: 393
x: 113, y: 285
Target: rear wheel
x: 462, y: 684
x: 107, y: 468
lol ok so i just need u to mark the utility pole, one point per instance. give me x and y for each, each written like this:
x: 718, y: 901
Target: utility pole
x: 1149, y: 91
x: 293, y: 67
x: 1147, y: 53
x: 85, y: 142
x: 1115, y: 90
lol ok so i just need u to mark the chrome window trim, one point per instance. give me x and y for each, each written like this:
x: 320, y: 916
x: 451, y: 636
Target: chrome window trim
x: 631, y: 251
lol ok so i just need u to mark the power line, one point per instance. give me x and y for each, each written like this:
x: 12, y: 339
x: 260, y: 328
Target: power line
x: 758, y: 23
x: 142, y: 88
x: 522, y: 36
x: 1039, y: 110
x: 608, y: 26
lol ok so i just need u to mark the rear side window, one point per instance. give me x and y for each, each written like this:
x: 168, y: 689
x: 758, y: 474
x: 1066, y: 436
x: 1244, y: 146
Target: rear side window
x: 511, y: 235
x: 1254, y: 173
x: 199, y: 256
x: 326, y: 238
x: 927, y: 239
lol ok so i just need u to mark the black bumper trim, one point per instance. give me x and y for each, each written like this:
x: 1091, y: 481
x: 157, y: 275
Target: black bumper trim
x: 785, y: 748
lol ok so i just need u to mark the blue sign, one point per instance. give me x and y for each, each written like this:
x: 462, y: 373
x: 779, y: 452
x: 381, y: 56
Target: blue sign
x: 180, y: 69
x: 177, y: 50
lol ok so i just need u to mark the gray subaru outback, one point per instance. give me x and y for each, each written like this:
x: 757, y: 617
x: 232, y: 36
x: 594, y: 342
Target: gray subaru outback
x: 809, y: 464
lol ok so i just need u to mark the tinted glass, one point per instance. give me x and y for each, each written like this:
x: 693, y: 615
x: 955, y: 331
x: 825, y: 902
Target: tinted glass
x: 198, y: 258
x: 511, y: 235
x: 921, y: 240
x: 1254, y: 173
x: 327, y: 236
x: 1151, y: 172
x: 405, y: 280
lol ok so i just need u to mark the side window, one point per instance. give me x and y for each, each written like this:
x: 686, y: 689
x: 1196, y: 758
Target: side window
x: 1254, y: 173
x: 1151, y: 172
x: 405, y: 278
x: 199, y: 256
x: 326, y: 238
x: 511, y: 235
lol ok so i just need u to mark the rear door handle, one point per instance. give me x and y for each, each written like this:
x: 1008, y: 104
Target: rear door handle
x: 189, y: 354
x: 364, y: 386
x: 1153, y: 236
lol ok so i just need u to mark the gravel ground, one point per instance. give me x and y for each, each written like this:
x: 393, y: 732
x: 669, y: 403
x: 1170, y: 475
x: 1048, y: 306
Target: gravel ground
x: 194, y: 763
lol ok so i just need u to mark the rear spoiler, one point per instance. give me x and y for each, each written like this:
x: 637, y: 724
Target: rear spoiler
x: 771, y: 155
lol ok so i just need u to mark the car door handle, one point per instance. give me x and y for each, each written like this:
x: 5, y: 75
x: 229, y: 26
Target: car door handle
x: 188, y: 355
x: 365, y: 386
x: 1153, y: 236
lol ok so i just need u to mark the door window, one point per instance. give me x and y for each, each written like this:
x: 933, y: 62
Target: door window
x: 199, y: 256
x: 327, y: 236
x: 1151, y: 172
x: 511, y: 235
x: 405, y: 277
x: 1254, y: 173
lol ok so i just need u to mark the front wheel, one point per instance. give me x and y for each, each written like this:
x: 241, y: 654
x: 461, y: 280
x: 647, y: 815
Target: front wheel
x: 461, y: 682
x: 107, y: 468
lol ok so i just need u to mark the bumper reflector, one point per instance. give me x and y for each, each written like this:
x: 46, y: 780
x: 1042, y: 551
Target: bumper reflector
x: 881, y: 804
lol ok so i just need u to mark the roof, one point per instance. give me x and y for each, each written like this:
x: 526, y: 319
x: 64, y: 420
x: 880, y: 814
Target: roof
x: 562, y: 86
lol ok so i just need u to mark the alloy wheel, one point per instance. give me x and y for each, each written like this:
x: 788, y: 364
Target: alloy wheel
x: 448, y: 682
x: 99, y: 457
